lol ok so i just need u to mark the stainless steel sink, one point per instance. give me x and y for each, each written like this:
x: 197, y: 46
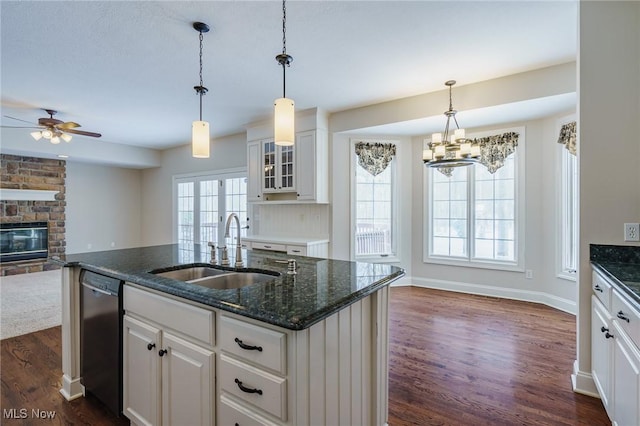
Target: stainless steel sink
x: 191, y: 273
x: 232, y: 280
x: 218, y: 279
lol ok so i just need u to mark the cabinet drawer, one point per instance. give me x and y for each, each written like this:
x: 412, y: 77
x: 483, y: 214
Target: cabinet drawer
x: 189, y: 320
x: 231, y: 413
x: 297, y: 250
x: 602, y: 289
x: 627, y: 317
x: 268, y: 246
x: 257, y: 387
x: 257, y: 344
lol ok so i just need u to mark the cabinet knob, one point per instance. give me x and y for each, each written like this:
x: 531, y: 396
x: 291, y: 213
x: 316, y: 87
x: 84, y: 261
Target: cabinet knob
x: 608, y: 335
x: 151, y: 346
x: 598, y: 288
x: 622, y: 316
x: 246, y: 389
x: 162, y: 352
x: 603, y: 329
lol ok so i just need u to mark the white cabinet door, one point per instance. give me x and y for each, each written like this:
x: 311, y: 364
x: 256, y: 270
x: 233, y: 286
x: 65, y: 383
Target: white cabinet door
x: 254, y: 171
x: 626, y: 381
x: 141, y: 375
x: 601, y: 352
x: 187, y: 383
x: 306, y: 165
x: 277, y: 167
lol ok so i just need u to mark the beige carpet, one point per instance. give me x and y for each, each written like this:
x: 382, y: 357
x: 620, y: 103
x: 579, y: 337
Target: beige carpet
x: 30, y: 302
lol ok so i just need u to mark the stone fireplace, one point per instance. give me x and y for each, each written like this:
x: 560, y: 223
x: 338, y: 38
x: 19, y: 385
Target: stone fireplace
x: 31, y: 175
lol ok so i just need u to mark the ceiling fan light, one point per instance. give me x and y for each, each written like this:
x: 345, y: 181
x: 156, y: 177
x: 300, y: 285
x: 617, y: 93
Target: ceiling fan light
x: 200, y: 139
x: 55, y: 140
x: 47, y: 134
x: 37, y: 135
x: 66, y: 137
x: 284, y: 122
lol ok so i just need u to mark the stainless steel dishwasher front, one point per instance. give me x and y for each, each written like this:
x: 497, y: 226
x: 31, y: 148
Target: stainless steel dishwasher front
x: 101, y: 338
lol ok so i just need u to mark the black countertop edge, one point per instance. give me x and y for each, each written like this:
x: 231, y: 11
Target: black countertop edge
x: 154, y: 282
x: 632, y: 293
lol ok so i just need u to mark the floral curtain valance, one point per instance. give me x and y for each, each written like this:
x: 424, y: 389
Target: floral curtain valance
x: 494, y: 149
x: 568, y: 137
x: 375, y: 157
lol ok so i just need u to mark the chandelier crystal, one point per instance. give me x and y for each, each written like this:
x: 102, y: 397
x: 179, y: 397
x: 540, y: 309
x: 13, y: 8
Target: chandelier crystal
x: 451, y: 149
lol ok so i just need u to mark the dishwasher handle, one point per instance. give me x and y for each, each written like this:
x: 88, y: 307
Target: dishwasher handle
x: 99, y: 290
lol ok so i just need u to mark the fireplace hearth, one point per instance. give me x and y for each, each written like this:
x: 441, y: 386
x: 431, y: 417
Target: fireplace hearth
x: 23, y: 241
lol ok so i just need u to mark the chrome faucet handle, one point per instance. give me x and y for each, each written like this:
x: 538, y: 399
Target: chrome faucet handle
x: 213, y: 253
x: 292, y: 265
x: 224, y: 260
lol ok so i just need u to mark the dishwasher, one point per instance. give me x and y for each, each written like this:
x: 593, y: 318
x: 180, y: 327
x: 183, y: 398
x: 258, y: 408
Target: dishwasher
x: 101, y: 338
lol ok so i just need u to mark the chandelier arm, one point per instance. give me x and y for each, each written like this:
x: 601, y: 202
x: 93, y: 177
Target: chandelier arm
x: 456, y: 121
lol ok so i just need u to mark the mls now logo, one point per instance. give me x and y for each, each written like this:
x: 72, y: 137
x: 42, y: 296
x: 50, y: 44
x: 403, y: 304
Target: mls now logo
x: 23, y: 413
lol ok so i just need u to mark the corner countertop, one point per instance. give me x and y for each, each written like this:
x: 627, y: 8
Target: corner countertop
x: 321, y: 287
x: 621, y: 264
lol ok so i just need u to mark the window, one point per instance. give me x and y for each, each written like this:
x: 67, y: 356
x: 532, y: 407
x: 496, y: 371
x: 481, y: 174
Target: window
x: 568, y: 215
x: 374, y: 211
x: 472, y: 217
x: 203, y: 204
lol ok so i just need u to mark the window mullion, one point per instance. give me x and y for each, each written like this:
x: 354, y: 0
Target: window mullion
x: 196, y: 210
x: 471, y: 203
x: 222, y: 210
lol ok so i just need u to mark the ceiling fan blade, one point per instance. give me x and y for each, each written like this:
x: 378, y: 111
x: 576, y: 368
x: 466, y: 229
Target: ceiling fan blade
x: 19, y: 119
x: 68, y: 125
x: 81, y: 132
x: 20, y: 127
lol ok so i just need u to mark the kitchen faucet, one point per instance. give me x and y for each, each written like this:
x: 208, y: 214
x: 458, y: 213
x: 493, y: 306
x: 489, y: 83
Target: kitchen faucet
x: 238, y: 246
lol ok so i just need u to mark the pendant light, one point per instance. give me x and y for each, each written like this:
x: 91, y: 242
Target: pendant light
x: 284, y: 110
x: 200, y: 139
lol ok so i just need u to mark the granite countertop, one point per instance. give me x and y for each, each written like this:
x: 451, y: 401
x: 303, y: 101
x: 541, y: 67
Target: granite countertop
x: 621, y: 264
x: 320, y: 288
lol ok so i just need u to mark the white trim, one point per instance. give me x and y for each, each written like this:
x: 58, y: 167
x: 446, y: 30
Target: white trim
x: 7, y: 194
x: 552, y: 301
x: 582, y: 382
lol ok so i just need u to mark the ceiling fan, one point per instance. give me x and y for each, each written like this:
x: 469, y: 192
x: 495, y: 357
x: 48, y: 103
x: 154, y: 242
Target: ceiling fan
x: 54, y: 129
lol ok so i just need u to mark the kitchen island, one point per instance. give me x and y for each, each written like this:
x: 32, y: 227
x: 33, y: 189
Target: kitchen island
x: 296, y: 349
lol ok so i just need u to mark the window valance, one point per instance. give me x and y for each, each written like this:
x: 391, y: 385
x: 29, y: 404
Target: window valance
x: 494, y: 149
x: 568, y: 137
x: 375, y: 157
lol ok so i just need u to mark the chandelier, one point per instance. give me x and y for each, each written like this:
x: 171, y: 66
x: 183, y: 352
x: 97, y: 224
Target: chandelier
x: 200, y: 140
x: 451, y: 149
x: 284, y: 108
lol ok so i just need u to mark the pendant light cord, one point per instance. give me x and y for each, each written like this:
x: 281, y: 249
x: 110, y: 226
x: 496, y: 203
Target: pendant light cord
x: 284, y: 48
x: 201, y: 85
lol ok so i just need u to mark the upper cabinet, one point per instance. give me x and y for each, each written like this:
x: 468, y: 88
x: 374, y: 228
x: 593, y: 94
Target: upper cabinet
x: 289, y: 174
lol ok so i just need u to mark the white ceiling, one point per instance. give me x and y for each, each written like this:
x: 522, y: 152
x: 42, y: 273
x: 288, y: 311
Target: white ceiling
x: 127, y: 69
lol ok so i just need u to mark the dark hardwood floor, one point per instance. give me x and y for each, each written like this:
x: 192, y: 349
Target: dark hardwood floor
x: 455, y: 359
x: 459, y: 359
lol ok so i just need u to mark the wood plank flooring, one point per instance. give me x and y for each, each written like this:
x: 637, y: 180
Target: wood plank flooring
x: 459, y: 359
x: 455, y: 359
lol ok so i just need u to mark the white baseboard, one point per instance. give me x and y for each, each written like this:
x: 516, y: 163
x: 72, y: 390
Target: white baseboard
x: 583, y: 383
x: 71, y: 388
x: 564, y: 305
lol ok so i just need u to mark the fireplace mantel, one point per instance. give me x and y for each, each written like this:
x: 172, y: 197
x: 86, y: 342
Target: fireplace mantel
x: 27, y: 195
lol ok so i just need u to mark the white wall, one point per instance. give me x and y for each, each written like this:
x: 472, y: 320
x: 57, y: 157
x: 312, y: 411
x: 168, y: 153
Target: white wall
x: 157, y: 203
x: 609, y: 148
x: 103, y: 207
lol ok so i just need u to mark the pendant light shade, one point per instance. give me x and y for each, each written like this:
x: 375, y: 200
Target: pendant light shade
x: 284, y: 122
x: 284, y: 114
x: 200, y: 139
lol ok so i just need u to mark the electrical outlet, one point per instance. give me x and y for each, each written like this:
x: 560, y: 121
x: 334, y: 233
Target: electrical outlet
x: 632, y: 232
x: 528, y: 274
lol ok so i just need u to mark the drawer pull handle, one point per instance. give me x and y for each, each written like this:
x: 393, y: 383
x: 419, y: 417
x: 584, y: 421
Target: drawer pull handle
x: 267, y: 246
x: 608, y: 336
x: 603, y: 329
x: 622, y: 316
x: 162, y: 352
x: 248, y: 390
x: 295, y: 251
x: 598, y: 288
x: 247, y: 347
x: 151, y: 346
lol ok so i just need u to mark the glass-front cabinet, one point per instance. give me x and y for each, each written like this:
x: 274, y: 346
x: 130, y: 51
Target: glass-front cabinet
x: 279, y: 167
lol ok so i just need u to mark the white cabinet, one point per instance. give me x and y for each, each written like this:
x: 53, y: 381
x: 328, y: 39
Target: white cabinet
x: 167, y: 378
x: 601, y: 351
x: 293, y: 246
x: 615, y: 353
x: 278, y: 163
x: 312, y: 166
x: 254, y: 177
